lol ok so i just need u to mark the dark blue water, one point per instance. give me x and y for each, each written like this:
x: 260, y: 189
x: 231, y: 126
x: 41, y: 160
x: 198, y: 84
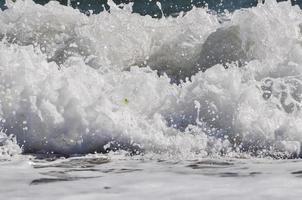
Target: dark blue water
x: 149, y: 7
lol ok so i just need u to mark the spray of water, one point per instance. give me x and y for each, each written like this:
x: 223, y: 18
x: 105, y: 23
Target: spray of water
x: 192, y: 85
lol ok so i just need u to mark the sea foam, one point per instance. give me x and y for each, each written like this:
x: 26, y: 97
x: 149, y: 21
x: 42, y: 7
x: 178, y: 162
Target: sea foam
x: 196, y: 84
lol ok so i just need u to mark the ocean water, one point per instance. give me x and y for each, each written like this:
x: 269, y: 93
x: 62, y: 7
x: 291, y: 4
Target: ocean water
x: 202, y: 104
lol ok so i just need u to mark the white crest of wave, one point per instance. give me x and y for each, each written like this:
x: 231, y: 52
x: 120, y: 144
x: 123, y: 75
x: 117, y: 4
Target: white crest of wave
x: 74, y: 84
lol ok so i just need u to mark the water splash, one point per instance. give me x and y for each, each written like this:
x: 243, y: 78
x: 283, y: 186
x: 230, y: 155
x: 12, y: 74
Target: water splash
x: 78, y: 84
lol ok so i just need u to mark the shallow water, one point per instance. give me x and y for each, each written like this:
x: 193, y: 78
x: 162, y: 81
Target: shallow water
x: 117, y: 176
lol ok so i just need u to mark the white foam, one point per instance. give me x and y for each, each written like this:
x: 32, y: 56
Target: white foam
x: 71, y: 83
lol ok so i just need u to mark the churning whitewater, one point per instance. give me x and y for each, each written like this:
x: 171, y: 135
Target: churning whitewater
x: 198, y: 84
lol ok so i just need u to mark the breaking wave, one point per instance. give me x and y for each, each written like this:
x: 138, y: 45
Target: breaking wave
x: 196, y: 84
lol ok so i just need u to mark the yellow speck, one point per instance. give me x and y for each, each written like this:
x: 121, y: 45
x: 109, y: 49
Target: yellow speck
x: 126, y: 101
